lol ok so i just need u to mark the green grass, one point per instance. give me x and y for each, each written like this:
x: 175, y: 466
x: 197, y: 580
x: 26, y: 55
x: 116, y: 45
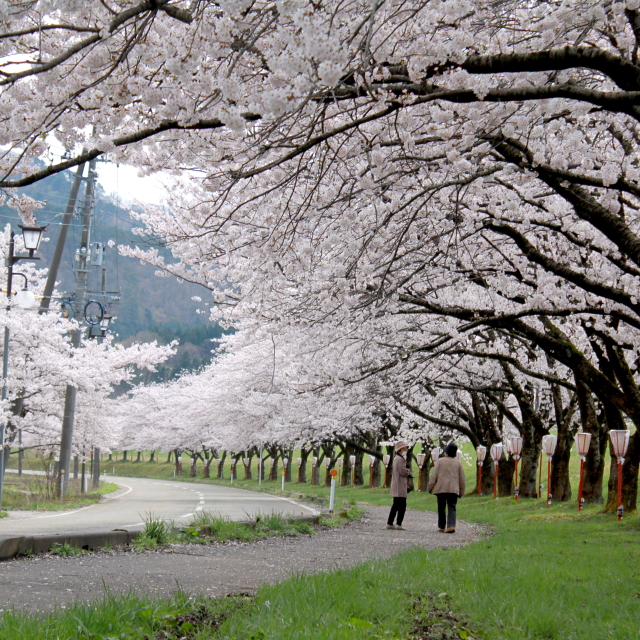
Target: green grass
x: 541, y: 574
x: 36, y: 493
x: 123, y: 617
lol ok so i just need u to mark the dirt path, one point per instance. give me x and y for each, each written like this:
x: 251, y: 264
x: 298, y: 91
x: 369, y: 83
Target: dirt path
x: 41, y: 583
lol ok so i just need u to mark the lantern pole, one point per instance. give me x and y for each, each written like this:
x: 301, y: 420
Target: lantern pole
x: 619, y: 444
x: 583, y: 440
x: 421, y: 458
x: 549, y: 445
x: 516, y: 449
x: 496, y: 454
x: 372, y: 461
x: 540, y: 476
x: 481, y: 454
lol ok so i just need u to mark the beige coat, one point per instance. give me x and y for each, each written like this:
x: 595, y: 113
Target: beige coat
x: 447, y: 477
x: 399, y: 474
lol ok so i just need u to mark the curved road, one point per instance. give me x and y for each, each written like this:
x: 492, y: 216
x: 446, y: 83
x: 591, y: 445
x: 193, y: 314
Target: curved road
x: 137, y: 498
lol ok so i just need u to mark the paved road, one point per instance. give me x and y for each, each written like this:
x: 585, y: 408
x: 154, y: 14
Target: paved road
x: 136, y: 497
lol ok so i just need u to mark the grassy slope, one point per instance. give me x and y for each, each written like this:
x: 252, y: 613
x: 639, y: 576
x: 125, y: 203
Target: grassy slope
x: 543, y: 573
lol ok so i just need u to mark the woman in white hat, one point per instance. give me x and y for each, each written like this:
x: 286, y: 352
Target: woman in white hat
x: 399, y: 474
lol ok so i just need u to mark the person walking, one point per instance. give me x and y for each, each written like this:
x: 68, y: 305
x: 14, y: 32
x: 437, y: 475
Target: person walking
x: 448, y: 483
x: 399, y: 474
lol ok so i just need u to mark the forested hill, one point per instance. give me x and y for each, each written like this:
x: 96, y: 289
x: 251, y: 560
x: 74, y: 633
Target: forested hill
x: 151, y: 308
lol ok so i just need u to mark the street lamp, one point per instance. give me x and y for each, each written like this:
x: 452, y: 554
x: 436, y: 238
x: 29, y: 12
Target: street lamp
x: 352, y: 462
x: 385, y: 461
x: 549, y: 446
x: 496, y: 454
x: 619, y: 444
x: 516, y: 450
x: 31, y: 236
x: 314, y: 464
x: 583, y: 442
x: 481, y: 453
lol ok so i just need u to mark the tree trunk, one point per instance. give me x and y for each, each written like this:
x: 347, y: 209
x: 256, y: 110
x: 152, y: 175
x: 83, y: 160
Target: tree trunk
x: 152, y: 457
x: 595, y: 459
x: 169, y: 457
x: 531, y: 446
x: 139, y: 456
x: 560, y: 484
x: 124, y: 455
x: 506, y: 469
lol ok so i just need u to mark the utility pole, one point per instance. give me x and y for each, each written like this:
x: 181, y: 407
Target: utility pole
x: 62, y: 238
x: 82, y: 280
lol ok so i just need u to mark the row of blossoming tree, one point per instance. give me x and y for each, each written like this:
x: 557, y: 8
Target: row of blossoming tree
x: 420, y: 216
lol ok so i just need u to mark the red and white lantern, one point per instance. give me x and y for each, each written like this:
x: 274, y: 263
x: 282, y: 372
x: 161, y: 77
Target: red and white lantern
x: 549, y: 447
x: 352, y: 462
x: 496, y: 454
x: 372, y: 462
x: 619, y: 445
x: 385, y: 462
x: 583, y: 443
x: 516, y: 449
x: 421, y: 457
x: 481, y: 453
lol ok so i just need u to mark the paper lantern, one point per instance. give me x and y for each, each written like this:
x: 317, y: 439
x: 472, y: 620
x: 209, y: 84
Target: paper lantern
x: 549, y: 445
x: 496, y: 451
x: 385, y: 460
x: 583, y: 443
x: 619, y: 442
x: 516, y: 445
x: 435, y: 453
x: 352, y: 460
x: 421, y: 458
x: 481, y: 452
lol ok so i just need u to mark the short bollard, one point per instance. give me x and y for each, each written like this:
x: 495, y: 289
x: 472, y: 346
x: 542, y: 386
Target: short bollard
x: 332, y: 498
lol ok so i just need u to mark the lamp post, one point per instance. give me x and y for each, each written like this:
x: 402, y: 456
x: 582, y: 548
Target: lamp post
x: 496, y: 454
x: 327, y: 462
x: 339, y: 463
x: 179, y: 466
x: 299, y: 461
x: 516, y: 450
x: 549, y: 446
x: 285, y: 462
x: 314, y: 464
x: 619, y: 444
x: 481, y: 453
x: 31, y: 236
x: 421, y: 458
x: 372, y: 462
x: 583, y: 442
x: 247, y: 468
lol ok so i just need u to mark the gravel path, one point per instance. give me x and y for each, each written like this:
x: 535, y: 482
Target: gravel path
x: 41, y: 583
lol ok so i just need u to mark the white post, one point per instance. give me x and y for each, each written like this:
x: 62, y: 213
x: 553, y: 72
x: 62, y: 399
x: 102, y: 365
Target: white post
x: 283, y: 474
x: 332, y: 499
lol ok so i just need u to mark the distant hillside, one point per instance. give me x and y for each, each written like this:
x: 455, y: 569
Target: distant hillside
x: 151, y: 308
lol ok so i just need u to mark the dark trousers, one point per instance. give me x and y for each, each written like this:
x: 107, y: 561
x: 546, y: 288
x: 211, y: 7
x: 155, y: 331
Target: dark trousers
x: 450, y: 500
x: 398, y: 508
